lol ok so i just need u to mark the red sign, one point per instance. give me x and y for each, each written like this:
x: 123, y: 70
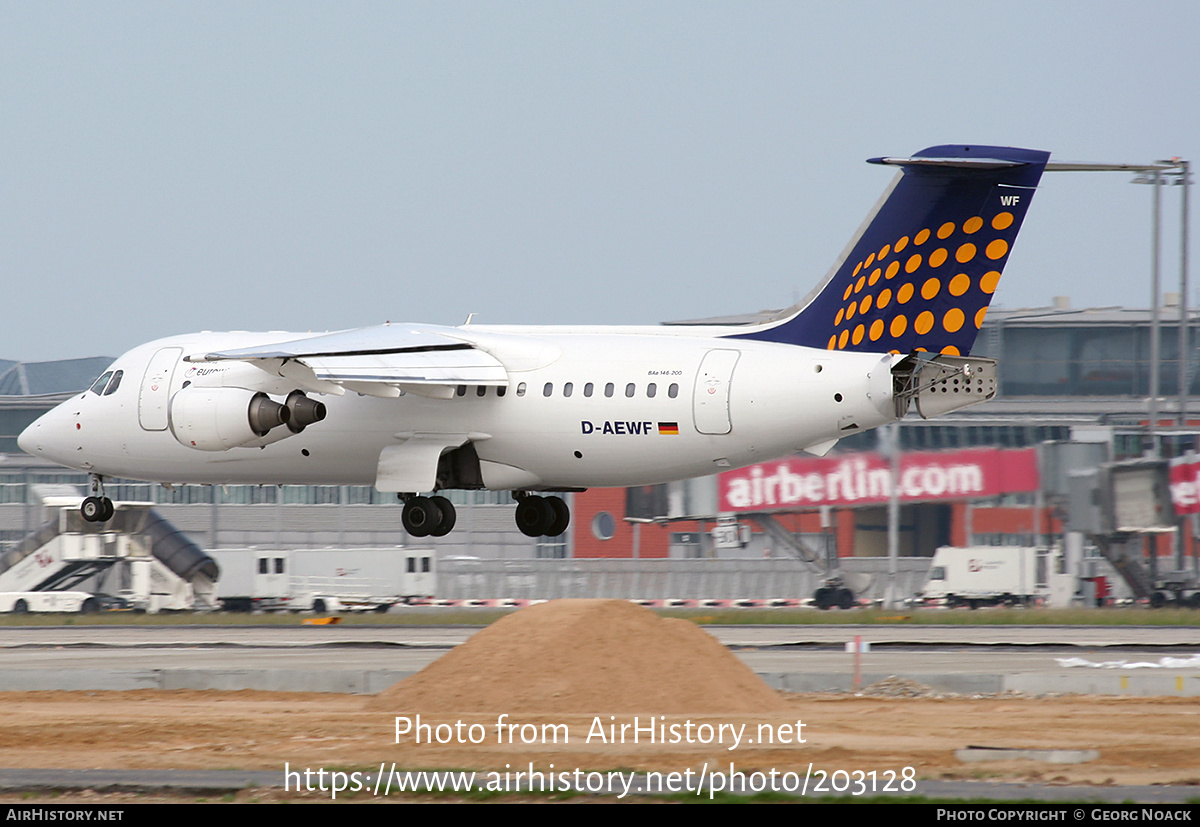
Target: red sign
x: 1185, y: 484
x: 866, y: 478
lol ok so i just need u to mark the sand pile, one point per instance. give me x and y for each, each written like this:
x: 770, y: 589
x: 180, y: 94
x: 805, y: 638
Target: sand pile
x: 586, y: 657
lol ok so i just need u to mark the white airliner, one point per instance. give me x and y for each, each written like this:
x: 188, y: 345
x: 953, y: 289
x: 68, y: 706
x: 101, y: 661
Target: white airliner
x: 415, y: 409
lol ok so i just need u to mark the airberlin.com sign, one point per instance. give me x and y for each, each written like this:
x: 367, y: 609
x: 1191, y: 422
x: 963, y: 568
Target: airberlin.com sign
x: 1185, y: 484
x: 862, y: 479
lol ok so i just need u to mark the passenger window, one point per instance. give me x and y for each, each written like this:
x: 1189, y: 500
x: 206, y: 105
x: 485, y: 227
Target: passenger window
x: 673, y: 391
x: 608, y: 389
x: 481, y: 390
x: 630, y: 390
x: 549, y: 389
x: 279, y: 565
x: 424, y: 564
x: 462, y: 390
x: 500, y: 391
x: 651, y: 390
x: 114, y: 383
x: 264, y: 565
x: 568, y: 388
x: 587, y: 389
x: 412, y: 565
x: 99, y: 385
x: 521, y: 389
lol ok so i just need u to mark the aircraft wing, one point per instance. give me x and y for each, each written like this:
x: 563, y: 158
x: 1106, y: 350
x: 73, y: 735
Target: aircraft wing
x: 378, y: 361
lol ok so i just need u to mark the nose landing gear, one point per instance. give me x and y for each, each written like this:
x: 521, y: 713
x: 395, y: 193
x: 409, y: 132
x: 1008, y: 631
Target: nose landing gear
x: 97, y: 508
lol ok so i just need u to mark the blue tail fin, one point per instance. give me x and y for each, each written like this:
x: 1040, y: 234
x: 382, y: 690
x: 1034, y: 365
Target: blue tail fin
x: 923, y: 269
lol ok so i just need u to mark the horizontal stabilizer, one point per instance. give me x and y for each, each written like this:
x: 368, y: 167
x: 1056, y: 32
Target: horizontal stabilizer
x: 958, y: 163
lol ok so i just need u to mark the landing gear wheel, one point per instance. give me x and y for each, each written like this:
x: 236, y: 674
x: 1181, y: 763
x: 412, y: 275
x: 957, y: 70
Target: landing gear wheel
x: 562, y: 516
x: 97, y: 508
x: 20, y: 608
x: 845, y: 599
x: 822, y: 599
x: 92, y: 509
x: 421, y: 517
x: 534, y: 516
x: 449, y: 516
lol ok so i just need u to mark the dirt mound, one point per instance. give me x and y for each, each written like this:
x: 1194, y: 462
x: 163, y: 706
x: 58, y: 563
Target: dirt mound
x: 586, y: 657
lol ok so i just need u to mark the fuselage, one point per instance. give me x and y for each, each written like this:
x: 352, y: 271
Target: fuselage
x: 581, y: 408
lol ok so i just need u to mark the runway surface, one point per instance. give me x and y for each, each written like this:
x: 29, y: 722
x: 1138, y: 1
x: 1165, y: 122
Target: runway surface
x: 739, y: 635
x: 965, y: 659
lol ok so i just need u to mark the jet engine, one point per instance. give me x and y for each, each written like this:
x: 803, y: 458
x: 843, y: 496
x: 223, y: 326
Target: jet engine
x: 303, y: 411
x: 217, y: 419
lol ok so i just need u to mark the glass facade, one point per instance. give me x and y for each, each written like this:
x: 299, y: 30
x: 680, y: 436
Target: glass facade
x: 1088, y: 357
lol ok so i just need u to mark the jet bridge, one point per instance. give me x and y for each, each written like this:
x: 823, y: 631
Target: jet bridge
x: 1121, y: 505
x: 838, y: 588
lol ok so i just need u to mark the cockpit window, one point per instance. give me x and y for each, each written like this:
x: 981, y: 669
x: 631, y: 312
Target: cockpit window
x: 114, y: 383
x: 100, y: 384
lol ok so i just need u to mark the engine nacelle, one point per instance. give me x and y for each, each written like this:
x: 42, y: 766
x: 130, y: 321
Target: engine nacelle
x: 217, y: 419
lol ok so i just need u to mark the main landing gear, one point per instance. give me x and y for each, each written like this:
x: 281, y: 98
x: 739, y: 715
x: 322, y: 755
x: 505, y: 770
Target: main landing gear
x: 97, y: 508
x: 428, y: 516
x: 435, y: 516
x: 541, y: 516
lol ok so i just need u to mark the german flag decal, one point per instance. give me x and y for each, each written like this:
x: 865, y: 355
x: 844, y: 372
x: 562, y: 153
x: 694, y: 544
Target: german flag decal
x: 668, y: 429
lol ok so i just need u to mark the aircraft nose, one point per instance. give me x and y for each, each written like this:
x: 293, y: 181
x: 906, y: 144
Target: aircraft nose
x: 42, y: 438
x: 28, y: 438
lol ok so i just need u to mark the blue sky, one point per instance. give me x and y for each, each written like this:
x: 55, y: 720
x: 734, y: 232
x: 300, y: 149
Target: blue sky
x: 170, y: 167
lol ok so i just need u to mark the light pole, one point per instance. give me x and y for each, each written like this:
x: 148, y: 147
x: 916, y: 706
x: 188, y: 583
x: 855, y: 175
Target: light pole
x: 637, y: 523
x: 1183, y: 180
x: 1151, y: 174
x: 889, y: 447
x: 1156, y: 311
x: 1178, y: 169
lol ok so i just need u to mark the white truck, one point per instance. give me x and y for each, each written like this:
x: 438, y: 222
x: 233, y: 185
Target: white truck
x: 987, y: 576
x: 323, y: 580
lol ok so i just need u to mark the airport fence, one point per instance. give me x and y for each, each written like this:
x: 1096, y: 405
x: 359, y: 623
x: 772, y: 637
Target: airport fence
x: 663, y: 579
